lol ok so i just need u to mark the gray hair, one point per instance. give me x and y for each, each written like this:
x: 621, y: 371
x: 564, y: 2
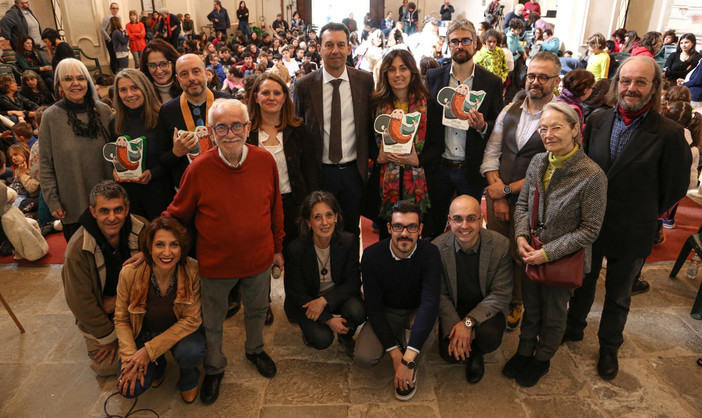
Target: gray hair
x: 221, y: 105
x: 163, y: 11
x: 461, y: 24
x: 568, y: 112
x: 65, y: 67
x: 108, y: 189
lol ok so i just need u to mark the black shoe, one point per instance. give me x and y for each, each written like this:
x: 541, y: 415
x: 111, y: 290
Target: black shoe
x: 515, y: 365
x: 349, y: 344
x: 476, y: 367
x: 263, y: 363
x: 406, y: 395
x: 572, y: 335
x: 233, y: 309
x: 640, y: 286
x: 533, y: 373
x: 269, y: 316
x: 210, y: 388
x: 608, y: 366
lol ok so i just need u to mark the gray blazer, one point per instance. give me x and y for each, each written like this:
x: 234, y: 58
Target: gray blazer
x: 495, y: 275
x: 572, y: 209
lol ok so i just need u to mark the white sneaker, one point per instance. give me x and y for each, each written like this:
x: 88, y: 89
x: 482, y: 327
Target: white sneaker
x: 406, y: 395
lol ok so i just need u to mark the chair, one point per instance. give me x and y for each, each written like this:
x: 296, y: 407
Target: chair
x: 693, y: 243
x: 12, y: 314
x: 6, y: 70
x: 620, y: 56
x: 93, y: 65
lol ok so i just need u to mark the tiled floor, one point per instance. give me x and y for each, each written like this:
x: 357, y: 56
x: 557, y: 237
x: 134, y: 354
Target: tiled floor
x: 44, y: 372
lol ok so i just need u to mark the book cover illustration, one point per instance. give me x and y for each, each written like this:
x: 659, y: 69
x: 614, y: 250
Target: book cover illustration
x: 397, y: 130
x: 127, y: 156
x: 204, y: 142
x: 457, y: 103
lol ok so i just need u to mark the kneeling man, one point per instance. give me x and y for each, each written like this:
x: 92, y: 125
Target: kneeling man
x: 476, y: 288
x: 401, y: 283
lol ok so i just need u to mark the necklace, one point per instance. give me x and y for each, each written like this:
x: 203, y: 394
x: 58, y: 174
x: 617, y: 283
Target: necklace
x: 324, y: 270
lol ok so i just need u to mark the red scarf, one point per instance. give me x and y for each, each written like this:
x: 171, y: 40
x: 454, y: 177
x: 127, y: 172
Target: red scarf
x: 630, y: 116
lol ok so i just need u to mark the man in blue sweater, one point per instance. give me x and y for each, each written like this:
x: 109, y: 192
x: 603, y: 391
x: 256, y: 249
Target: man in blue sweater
x: 401, y: 284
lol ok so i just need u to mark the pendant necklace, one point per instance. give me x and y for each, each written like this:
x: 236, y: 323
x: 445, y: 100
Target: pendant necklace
x: 324, y: 270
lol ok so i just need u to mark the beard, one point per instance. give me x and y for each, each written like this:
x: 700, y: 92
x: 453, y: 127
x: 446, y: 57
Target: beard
x: 538, y: 94
x: 461, y: 56
x: 639, y: 105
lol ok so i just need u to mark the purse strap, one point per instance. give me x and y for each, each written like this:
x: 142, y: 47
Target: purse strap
x: 535, y: 210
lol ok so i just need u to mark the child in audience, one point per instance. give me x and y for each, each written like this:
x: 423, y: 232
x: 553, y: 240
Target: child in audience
x: 26, y: 187
x: 25, y: 134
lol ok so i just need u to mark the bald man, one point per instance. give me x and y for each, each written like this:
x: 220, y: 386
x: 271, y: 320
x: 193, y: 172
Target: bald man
x: 476, y: 288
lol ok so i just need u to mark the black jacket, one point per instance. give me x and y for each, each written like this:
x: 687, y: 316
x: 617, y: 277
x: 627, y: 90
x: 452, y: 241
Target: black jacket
x: 13, y: 24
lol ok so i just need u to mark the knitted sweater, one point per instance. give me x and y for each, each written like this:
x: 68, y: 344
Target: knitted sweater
x: 238, y: 213
x: 411, y: 283
x: 71, y: 165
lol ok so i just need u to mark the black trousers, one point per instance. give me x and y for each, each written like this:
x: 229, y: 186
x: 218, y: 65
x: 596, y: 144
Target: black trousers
x: 619, y: 278
x: 113, y: 57
x: 488, y: 337
x: 346, y: 184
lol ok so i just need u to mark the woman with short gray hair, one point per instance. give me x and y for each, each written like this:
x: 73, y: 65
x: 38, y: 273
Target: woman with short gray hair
x: 568, y: 193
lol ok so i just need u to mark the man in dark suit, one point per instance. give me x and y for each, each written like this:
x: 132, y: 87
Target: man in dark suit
x: 647, y: 162
x: 476, y: 287
x: 456, y: 158
x: 314, y: 102
x: 514, y: 141
x: 186, y: 112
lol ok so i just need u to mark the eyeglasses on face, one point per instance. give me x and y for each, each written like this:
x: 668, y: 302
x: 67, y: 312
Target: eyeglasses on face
x: 464, y: 42
x: 543, y: 79
x: 639, y: 82
x: 236, y: 128
x: 411, y: 228
x: 162, y: 65
x: 458, y: 219
x: 555, y: 130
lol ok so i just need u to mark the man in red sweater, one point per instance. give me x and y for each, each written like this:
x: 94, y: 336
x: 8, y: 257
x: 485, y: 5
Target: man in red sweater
x: 232, y: 193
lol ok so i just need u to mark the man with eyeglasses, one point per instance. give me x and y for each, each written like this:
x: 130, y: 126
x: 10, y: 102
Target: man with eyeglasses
x: 647, y: 160
x: 186, y: 112
x: 20, y: 20
x: 476, y: 288
x: 512, y: 144
x: 105, y: 29
x: 232, y: 194
x: 453, y: 161
x: 401, y: 284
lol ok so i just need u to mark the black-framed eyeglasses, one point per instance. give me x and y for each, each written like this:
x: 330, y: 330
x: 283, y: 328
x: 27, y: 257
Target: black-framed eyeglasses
x: 164, y: 65
x: 464, y: 42
x: 236, y: 128
x: 543, y: 79
x: 458, y: 219
x: 411, y: 228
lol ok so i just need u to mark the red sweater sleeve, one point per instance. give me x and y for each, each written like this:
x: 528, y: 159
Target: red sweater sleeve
x: 277, y: 213
x: 185, y: 200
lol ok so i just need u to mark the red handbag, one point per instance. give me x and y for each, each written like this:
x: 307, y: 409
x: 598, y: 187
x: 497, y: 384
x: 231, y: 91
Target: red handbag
x: 566, y: 272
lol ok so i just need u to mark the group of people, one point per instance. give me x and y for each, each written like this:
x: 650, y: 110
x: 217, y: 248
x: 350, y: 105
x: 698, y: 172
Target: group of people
x: 231, y: 191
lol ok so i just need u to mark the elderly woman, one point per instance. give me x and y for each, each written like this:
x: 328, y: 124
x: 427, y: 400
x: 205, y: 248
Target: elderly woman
x: 136, y: 114
x: 322, y: 276
x: 572, y: 193
x: 158, y: 64
x: 34, y: 89
x: 72, y: 134
x: 157, y: 310
x: 12, y: 103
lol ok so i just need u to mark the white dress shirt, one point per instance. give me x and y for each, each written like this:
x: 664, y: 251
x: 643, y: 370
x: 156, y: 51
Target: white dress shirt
x: 348, y: 128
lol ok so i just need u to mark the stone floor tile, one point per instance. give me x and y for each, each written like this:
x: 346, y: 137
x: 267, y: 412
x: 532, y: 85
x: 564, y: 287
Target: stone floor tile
x: 325, y: 411
x: 42, y: 331
x: 657, y: 331
x: 317, y: 383
x: 676, y: 372
x: 562, y: 375
x: 375, y: 384
x: 555, y: 406
x: 410, y: 409
x: 13, y: 376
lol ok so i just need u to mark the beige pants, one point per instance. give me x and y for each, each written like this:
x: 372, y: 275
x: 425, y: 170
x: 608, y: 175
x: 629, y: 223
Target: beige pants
x: 101, y: 369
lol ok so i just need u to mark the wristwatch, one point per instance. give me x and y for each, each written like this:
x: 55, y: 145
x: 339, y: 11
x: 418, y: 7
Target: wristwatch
x: 410, y: 364
x: 468, y: 322
x: 507, y: 190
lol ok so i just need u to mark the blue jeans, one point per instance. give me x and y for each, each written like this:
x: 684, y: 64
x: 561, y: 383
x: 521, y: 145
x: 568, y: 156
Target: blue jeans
x: 245, y: 29
x: 188, y: 353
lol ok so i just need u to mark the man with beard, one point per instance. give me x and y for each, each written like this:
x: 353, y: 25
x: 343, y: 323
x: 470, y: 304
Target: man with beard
x: 186, y: 112
x: 647, y: 161
x: 453, y: 162
x: 401, y: 285
x: 512, y: 144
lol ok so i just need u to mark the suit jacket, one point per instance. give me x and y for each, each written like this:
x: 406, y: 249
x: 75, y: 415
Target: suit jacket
x: 309, y: 104
x: 495, y: 275
x: 651, y: 174
x: 437, y: 79
x: 300, y: 159
x: 302, y: 274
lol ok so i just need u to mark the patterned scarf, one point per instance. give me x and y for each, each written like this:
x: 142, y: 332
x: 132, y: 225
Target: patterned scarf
x: 414, y: 184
